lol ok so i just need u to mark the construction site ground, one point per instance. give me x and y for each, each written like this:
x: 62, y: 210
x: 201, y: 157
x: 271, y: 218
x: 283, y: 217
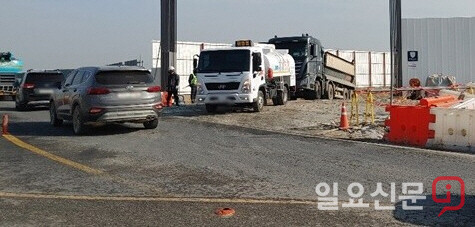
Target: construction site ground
x: 304, y: 117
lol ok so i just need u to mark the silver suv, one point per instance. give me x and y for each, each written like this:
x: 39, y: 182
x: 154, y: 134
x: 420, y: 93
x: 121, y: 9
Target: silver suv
x: 101, y: 95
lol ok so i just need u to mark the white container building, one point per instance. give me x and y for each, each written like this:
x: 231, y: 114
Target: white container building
x: 184, y: 61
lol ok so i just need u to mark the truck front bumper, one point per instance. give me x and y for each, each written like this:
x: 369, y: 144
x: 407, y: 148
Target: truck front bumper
x: 225, y: 99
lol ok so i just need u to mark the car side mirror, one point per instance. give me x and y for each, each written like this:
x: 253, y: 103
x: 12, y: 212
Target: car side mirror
x: 59, y: 85
x: 67, y: 85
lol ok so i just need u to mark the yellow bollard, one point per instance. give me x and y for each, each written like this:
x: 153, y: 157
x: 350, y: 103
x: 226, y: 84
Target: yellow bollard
x: 354, y: 109
x: 369, y: 111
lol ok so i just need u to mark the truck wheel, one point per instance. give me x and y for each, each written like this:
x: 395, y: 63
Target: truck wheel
x: 330, y: 92
x: 151, y: 124
x: 346, y: 93
x: 54, y: 121
x: 318, y: 90
x: 211, y: 108
x: 78, y: 122
x: 282, y: 97
x: 259, y: 104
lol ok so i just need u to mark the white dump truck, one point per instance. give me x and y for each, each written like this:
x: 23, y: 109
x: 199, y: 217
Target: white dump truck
x: 246, y: 75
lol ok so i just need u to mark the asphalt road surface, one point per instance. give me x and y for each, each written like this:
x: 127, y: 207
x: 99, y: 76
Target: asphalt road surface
x: 180, y: 173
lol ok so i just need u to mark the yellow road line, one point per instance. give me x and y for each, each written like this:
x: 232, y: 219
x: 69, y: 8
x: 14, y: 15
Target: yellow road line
x: 152, y: 199
x: 53, y: 157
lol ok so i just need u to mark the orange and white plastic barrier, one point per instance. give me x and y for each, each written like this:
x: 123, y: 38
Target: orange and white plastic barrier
x: 453, y: 129
x: 409, y: 125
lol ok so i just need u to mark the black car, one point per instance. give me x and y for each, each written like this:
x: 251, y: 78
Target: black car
x: 36, y: 87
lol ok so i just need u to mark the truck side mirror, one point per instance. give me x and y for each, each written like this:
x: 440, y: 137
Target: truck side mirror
x: 313, y: 50
x: 195, y: 61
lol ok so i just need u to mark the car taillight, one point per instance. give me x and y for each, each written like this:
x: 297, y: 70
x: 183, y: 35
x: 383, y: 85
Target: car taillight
x: 98, y: 91
x: 29, y: 86
x: 154, y: 89
x: 95, y: 110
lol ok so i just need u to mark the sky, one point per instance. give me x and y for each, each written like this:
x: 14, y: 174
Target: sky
x: 49, y: 34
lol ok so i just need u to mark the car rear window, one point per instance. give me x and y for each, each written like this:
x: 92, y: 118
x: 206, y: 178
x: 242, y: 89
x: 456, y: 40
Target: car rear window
x: 43, y: 78
x: 124, y: 77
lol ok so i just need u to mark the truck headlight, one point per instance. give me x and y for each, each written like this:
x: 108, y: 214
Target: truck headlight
x: 246, y: 86
x: 200, y: 89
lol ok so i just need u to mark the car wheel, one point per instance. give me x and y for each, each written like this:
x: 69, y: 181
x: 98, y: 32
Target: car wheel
x: 20, y: 106
x: 210, y: 108
x: 54, y: 121
x: 259, y: 104
x: 78, y: 123
x: 151, y: 124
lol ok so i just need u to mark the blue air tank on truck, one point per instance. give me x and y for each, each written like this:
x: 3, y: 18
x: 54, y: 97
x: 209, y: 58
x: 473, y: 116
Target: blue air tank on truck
x: 10, y: 68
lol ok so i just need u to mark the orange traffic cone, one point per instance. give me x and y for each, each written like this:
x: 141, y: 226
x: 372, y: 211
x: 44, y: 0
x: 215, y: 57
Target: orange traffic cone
x: 344, y: 124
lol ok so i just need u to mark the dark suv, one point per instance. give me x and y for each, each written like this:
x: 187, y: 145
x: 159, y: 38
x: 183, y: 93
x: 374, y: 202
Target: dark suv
x: 36, y: 87
x: 101, y: 95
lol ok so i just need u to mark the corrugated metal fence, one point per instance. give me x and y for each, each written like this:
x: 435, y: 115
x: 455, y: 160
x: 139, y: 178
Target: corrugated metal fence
x: 443, y: 46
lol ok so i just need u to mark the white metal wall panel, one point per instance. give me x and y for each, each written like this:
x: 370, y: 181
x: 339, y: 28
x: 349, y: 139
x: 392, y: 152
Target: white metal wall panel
x: 445, y: 45
x: 380, y: 73
x: 184, y: 63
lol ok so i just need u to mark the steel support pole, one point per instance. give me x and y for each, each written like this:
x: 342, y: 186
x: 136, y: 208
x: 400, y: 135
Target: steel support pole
x: 396, y: 45
x: 168, y: 38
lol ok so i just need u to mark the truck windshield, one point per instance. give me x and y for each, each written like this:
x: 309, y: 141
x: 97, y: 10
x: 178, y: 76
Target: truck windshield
x: 297, y: 50
x: 224, y: 61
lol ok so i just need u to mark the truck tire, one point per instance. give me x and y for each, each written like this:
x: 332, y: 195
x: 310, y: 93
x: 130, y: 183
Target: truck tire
x: 330, y: 92
x: 54, y: 120
x: 318, y: 90
x: 346, y: 94
x: 79, y: 128
x: 282, y: 97
x: 258, y: 105
x: 210, y: 108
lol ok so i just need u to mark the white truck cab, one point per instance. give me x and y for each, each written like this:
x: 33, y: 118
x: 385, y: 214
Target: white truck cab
x: 244, y: 75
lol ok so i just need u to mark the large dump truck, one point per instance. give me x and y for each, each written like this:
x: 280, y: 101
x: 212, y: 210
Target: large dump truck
x: 246, y: 75
x: 10, y: 71
x: 319, y: 74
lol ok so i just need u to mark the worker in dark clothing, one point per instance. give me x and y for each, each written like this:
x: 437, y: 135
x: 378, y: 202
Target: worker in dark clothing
x: 193, y: 82
x: 173, y: 83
